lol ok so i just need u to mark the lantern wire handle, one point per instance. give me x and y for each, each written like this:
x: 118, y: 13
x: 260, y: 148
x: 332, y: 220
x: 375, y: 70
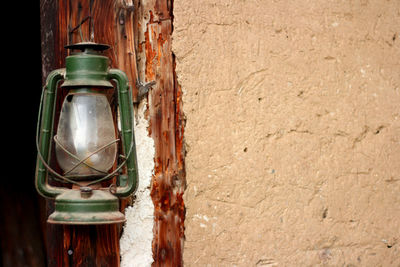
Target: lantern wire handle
x: 78, y: 27
x: 118, y: 168
x: 82, y: 161
x: 91, y: 21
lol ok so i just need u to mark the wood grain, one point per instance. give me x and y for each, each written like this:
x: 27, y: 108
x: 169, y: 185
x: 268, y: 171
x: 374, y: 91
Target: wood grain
x: 166, y: 126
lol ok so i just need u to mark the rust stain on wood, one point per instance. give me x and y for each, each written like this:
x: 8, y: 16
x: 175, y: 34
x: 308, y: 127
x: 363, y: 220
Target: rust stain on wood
x: 166, y: 127
x: 150, y: 55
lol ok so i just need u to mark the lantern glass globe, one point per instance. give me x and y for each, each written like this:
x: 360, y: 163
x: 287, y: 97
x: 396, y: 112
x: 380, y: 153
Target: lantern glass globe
x: 86, y: 136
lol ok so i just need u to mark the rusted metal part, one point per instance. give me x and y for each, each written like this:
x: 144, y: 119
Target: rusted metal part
x: 166, y: 127
x: 86, y: 207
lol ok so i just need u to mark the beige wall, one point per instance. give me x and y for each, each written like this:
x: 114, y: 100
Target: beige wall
x: 292, y: 131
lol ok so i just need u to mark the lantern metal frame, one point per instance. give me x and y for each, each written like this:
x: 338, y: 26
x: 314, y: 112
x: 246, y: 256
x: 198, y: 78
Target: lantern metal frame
x: 86, y: 69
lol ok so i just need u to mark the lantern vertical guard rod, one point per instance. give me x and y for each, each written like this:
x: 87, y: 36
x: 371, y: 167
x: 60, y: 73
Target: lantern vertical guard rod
x: 128, y: 135
x: 47, y: 104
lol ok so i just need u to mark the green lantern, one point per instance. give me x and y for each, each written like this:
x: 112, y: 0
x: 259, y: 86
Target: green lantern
x: 88, y: 146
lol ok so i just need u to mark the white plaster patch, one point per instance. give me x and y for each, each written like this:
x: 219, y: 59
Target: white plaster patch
x: 335, y: 24
x: 137, y: 237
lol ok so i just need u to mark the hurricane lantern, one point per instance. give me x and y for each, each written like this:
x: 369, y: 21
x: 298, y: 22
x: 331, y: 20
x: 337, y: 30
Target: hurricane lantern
x: 89, y: 144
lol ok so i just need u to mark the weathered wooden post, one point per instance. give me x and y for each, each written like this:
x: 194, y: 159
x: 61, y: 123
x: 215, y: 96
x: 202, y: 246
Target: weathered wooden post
x: 167, y: 125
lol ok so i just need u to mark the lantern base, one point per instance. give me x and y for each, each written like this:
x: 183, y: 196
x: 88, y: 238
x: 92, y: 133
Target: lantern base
x: 98, y: 207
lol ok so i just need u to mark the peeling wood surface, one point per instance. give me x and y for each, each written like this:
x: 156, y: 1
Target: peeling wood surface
x: 166, y: 126
x: 167, y: 184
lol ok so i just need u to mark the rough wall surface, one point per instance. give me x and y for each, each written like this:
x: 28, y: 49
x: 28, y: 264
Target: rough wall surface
x: 292, y: 131
x: 137, y: 237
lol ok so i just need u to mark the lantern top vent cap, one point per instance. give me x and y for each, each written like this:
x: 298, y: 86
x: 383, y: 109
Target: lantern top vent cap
x: 84, y: 46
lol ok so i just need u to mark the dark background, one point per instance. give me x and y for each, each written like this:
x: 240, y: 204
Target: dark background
x: 21, y: 219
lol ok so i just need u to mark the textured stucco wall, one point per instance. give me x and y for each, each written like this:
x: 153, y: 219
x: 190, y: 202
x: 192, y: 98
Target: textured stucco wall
x: 292, y: 131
